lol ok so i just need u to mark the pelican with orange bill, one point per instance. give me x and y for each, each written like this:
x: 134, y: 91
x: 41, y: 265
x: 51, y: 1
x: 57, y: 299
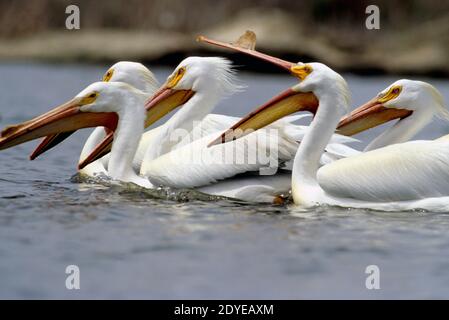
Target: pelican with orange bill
x: 132, y: 73
x: 402, y: 176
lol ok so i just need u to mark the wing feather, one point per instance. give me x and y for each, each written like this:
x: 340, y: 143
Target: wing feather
x: 196, y: 165
x: 400, y: 172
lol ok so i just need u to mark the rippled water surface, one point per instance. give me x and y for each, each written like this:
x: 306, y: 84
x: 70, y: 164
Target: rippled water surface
x: 134, y: 244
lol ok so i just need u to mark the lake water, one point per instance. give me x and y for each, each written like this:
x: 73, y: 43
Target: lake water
x: 130, y: 244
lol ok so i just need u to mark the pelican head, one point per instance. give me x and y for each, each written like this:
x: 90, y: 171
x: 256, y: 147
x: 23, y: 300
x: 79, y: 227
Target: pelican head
x: 201, y: 74
x: 415, y: 96
x: 134, y: 74
x: 103, y: 97
x: 100, y: 104
x: 316, y: 82
x: 194, y: 76
x: 400, y: 100
x: 321, y: 80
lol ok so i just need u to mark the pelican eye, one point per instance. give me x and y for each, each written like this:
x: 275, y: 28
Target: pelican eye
x: 107, y: 77
x: 395, y: 91
x: 180, y: 71
x: 176, y: 77
x: 90, y: 98
x: 390, y: 94
x: 301, y: 71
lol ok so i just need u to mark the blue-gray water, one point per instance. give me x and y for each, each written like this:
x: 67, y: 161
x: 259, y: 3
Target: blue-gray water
x: 129, y: 245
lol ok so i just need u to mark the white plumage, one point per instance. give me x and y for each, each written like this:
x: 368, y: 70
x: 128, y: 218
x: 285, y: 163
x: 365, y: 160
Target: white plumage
x: 196, y: 165
x: 139, y: 77
x: 406, y: 171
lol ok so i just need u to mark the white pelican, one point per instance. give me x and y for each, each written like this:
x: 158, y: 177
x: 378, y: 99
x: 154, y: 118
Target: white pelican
x: 403, y: 176
x: 423, y: 102
x: 420, y: 102
x: 402, y: 131
x: 114, y: 105
x: 132, y: 73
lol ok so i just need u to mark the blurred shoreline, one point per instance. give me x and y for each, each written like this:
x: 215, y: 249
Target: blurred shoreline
x: 419, y: 49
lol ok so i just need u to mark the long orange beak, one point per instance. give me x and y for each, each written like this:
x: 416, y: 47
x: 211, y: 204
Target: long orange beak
x: 371, y: 114
x: 161, y: 103
x: 65, y: 118
x: 246, y: 44
x: 280, y: 106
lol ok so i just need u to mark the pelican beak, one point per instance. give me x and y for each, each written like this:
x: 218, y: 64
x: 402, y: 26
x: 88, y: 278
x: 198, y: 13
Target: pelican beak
x: 66, y: 118
x: 50, y: 142
x: 371, y: 114
x: 164, y: 101
x: 246, y: 44
x: 282, y: 105
x: 161, y: 103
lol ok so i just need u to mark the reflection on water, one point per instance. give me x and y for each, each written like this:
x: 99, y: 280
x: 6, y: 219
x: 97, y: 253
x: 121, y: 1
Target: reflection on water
x: 131, y: 243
